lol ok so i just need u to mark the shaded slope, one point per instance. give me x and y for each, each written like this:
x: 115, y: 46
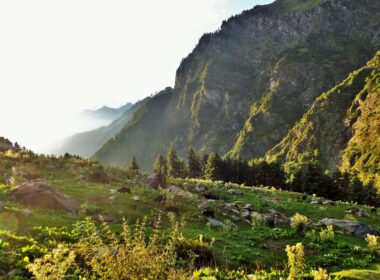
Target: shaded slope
x: 346, y: 118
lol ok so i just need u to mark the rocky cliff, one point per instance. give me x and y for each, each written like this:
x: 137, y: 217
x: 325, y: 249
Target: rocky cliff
x: 244, y: 86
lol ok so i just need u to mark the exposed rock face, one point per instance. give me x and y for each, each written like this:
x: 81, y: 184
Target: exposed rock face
x: 98, y: 177
x: 243, y: 87
x: 155, y: 181
x: 349, y: 227
x: 42, y: 195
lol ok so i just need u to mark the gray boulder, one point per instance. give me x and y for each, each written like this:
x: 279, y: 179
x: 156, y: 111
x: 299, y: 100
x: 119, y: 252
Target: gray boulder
x: 216, y: 223
x: 349, y: 227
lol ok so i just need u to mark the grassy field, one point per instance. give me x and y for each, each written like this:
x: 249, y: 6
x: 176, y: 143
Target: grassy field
x: 241, y: 246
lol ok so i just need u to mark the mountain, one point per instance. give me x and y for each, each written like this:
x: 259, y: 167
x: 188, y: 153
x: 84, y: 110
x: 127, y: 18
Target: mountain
x: 85, y: 144
x: 342, y: 128
x: 105, y: 114
x: 245, y: 86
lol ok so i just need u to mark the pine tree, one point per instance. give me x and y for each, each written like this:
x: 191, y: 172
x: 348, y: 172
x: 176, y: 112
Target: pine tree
x: 194, y: 164
x: 134, y: 168
x: 160, y: 165
x: 173, y: 164
x: 212, y: 169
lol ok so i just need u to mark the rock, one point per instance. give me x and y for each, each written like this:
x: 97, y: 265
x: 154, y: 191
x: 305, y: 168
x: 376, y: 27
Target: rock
x: 99, y: 177
x: 272, y: 218
x: 314, y: 202
x: 329, y: 202
x: 245, y: 214
x: 235, y: 211
x: 248, y: 207
x: 124, y: 190
x: 1, y: 206
x: 155, y: 181
x: 204, y: 206
x: 101, y: 218
x: 349, y: 227
x: 235, y: 192
x: 216, y: 223
x: 178, y: 191
x: 211, y: 196
x: 235, y: 218
x: 136, y: 198
x: 27, y: 212
x: 41, y: 194
x: 199, y: 189
x: 362, y: 213
x: 208, y: 213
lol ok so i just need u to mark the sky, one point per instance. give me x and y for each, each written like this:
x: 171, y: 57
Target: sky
x: 58, y: 58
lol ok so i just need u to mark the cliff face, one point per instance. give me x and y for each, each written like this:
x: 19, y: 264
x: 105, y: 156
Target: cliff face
x: 243, y: 87
x: 342, y: 128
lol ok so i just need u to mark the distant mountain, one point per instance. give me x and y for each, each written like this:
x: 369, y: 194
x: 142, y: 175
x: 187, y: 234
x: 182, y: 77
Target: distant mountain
x: 342, y: 128
x: 105, y: 114
x: 245, y: 86
x: 87, y: 143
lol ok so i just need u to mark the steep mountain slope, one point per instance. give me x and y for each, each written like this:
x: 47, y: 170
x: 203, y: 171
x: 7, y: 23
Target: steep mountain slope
x: 243, y: 87
x: 345, y: 119
x: 87, y: 143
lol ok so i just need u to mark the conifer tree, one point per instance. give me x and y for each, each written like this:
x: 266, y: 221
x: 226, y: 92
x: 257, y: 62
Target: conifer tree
x: 194, y: 164
x: 160, y: 165
x: 212, y: 169
x: 134, y: 168
x: 173, y: 164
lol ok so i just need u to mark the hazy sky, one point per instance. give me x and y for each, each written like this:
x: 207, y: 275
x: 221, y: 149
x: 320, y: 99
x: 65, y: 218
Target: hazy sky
x: 60, y: 57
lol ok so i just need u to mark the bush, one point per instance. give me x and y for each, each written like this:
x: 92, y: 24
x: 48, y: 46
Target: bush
x: 198, y: 250
x: 373, y: 243
x: 321, y: 274
x: 327, y: 235
x: 296, y: 261
x: 299, y: 223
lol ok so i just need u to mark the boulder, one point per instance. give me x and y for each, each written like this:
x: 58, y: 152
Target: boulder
x: 235, y: 192
x: 179, y: 192
x: 362, y: 213
x: 245, y: 214
x: 40, y: 194
x: 155, y: 180
x: 99, y: 177
x: 329, y: 202
x: 216, y: 223
x: 248, y: 207
x: 349, y: 227
x: 272, y: 218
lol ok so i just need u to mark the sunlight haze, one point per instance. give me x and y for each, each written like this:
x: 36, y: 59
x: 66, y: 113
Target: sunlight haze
x: 58, y: 58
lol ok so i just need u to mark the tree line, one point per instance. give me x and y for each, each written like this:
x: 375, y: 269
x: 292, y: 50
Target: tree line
x: 304, y: 177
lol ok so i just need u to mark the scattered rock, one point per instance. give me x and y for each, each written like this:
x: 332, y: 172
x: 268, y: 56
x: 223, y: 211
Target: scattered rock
x: 155, y: 181
x: 178, y: 191
x: 314, y: 202
x: 41, y: 194
x: 272, y: 218
x: 204, y: 206
x: 208, y: 213
x: 349, y: 227
x: 216, y: 223
x: 199, y: 189
x: 245, y: 214
x: 235, y: 192
x: 173, y: 209
x: 362, y: 213
x: 136, y: 198
x: 124, y: 190
x: 248, y: 207
x: 101, y: 218
x: 27, y: 212
x: 211, y: 196
x: 160, y: 199
x: 99, y: 177
x: 235, y: 218
x: 329, y: 202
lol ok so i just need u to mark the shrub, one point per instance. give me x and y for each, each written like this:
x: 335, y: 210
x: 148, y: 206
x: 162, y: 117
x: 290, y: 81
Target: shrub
x: 327, y: 235
x: 299, y: 223
x: 296, y: 261
x: 373, y: 243
x: 321, y: 274
x: 197, y: 250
